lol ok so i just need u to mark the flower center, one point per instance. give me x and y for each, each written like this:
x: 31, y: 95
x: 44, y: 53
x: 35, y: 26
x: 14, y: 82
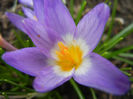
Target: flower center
x: 69, y: 57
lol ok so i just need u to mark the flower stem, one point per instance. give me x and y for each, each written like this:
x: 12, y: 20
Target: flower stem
x: 75, y: 86
x: 93, y: 93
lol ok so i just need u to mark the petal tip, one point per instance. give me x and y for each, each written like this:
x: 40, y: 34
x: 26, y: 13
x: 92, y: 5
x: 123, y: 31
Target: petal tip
x: 7, y: 57
x: 104, y: 7
x: 38, y: 87
x: 8, y: 14
x: 125, y: 89
x: 4, y: 56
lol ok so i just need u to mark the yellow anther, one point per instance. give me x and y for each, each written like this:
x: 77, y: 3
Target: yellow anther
x: 35, y: 18
x: 68, y: 56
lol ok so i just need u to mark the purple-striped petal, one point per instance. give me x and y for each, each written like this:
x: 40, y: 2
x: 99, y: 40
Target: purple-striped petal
x: 43, y: 37
x: 28, y: 60
x: 103, y: 75
x: 91, y: 27
x: 39, y: 10
x: 58, y: 17
x: 16, y: 20
x: 29, y: 13
x: 27, y: 2
x: 48, y: 80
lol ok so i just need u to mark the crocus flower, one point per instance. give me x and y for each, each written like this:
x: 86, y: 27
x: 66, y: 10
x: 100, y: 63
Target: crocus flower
x: 64, y: 50
x: 28, y: 11
x: 30, y: 2
x: 27, y: 2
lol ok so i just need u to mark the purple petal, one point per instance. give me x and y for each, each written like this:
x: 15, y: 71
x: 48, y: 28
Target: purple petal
x: 48, y: 80
x: 27, y: 2
x: 103, y: 75
x: 91, y: 27
x: 43, y: 37
x: 16, y: 20
x: 58, y: 17
x: 29, y: 13
x: 28, y: 60
x: 39, y: 10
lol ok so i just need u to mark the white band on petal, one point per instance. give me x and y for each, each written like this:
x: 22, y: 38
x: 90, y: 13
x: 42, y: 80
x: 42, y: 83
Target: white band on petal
x: 59, y: 72
x: 84, y: 67
x: 69, y: 40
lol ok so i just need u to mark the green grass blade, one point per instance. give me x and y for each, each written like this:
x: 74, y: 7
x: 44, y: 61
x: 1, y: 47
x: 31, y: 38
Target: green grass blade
x: 5, y: 95
x: 13, y: 83
x: 126, y: 69
x: 83, y: 5
x: 72, y: 7
x: 129, y: 55
x: 19, y: 39
x: 115, y: 53
x: 1, y: 51
x: 93, y: 93
x: 116, y: 39
x: 123, y: 59
x: 75, y: 86
x: 113, y: 17
x: 131, y: 79
x: 126, y: 73
x: 58, y: 95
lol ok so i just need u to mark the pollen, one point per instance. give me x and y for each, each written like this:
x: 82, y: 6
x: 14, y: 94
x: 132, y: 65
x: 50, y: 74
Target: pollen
x: 38, y: 35
x: 69, y: 57
x: 35, y: 18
